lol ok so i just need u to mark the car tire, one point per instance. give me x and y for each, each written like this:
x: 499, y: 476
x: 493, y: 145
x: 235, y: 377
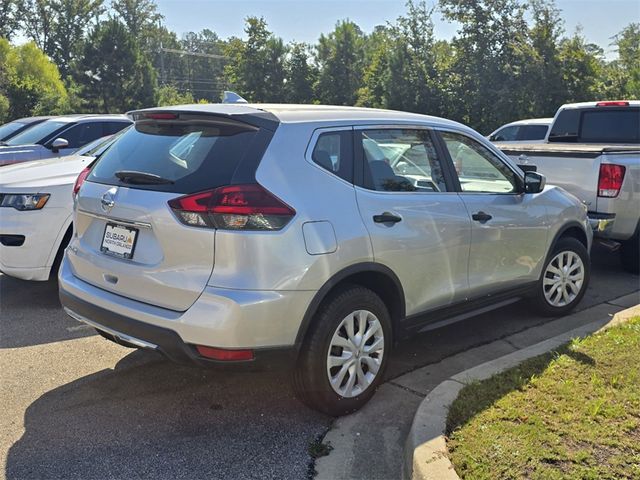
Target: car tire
x: 351, y: 331
x: 564, y: 278
x: 630, y: 253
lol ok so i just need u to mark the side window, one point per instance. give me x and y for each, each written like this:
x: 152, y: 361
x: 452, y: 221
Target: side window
x: 506, y: 134
x: 81, y: 134
x: 479, y: 170
x: 114, y: 127
x: 401, y: 160
x: 333, y: 152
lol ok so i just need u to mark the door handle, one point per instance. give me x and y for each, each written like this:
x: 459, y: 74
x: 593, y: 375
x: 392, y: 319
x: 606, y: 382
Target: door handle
x: 387, y: 217
x: 481, y: 217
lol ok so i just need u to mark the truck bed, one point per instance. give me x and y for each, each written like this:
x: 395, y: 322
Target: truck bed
x: 578, y: 150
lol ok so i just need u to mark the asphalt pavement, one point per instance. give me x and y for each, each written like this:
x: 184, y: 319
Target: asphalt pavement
x: 77, y: 406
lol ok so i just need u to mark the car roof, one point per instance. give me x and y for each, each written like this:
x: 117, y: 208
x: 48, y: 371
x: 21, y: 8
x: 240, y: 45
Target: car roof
x: 89, y: 116
x: 27, y: 120
x: 301, y: 113
x: 632, y: 103
x: 530, y: 121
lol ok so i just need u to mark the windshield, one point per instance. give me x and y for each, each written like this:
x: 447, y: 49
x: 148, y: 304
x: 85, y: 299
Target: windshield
x: 38, y: 133
x: 8, y: 128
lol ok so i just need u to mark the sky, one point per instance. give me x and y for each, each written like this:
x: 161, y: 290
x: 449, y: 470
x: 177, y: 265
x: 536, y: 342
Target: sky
x: 305, y: 20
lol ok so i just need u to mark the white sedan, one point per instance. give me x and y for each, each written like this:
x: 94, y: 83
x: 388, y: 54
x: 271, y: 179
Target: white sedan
x: 36, y: 204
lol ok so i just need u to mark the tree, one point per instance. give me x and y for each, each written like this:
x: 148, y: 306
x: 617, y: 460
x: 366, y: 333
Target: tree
x: 256, y: 66
x: 581, y: 68
x: 488, y: 62
x: 29, y: 82
x: 340, y: 58
x: 9, y: 17
x: 168, y: 96
x: 300, y: 74
x: 115, y: 75
x: 201, y: 74
x: 137, y: 15
x: 627, y: 66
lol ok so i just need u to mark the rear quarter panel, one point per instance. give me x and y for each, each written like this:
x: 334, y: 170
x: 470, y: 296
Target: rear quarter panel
x: 279, y: 260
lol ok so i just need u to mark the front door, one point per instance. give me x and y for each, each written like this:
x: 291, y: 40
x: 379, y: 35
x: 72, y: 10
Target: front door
x: 508, y: 228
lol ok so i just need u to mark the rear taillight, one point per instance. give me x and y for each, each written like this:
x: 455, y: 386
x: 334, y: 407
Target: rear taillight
x: 610, y: 180
x: 616, y: 103
x: 80, y: 180
x: 234, y: 207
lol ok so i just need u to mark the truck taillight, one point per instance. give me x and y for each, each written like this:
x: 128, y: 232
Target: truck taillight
x: 80, y: 180
x: 610, y: 180
x: 234, y: 207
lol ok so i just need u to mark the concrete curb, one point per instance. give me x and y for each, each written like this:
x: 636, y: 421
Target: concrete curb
x: 425, y: 451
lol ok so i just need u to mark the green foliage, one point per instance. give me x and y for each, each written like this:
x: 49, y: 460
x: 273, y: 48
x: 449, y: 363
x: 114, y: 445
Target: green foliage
x: 169, y: 95
x: 300, y: 74
x: 256, y: 66
x: 29, y: 81
x: 114, y: 73
x: 510, y: 59
x: 340, y: 56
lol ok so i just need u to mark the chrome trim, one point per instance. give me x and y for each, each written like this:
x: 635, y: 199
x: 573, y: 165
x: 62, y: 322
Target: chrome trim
x: 131, y: 223
x: 121, y: 336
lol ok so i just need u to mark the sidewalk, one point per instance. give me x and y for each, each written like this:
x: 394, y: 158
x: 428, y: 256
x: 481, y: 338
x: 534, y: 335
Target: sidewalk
x: 370, y: 443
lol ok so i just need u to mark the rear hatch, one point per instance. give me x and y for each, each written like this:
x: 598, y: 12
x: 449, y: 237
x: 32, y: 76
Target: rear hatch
x: 129, y: 241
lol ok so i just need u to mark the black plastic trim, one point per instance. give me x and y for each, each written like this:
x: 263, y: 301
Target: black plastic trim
x: 338, y: 278
x: 12, y: 240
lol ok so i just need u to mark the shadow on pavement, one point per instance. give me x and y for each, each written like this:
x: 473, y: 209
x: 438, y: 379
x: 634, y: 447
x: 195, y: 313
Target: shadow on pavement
x: 150, y: 418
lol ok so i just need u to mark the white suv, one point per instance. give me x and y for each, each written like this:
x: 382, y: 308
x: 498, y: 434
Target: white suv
x: 235, y: 233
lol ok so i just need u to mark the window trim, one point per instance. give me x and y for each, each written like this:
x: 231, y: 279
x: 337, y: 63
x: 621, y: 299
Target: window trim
x: 359, y: 162
x: 518, y: 175
x: 313, y: 141
x: 51, y: 139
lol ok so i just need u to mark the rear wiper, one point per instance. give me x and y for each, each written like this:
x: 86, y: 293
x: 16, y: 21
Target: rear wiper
x: 141, y: 178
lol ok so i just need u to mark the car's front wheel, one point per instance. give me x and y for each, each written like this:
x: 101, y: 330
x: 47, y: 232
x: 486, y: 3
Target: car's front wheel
x: 344, y: 357
x: 564, y: 278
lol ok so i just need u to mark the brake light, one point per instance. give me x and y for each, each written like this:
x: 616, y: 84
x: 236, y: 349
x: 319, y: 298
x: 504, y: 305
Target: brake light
x: 224, y: 354
x: 617, y: 103
x: 161, y: 116
x: 610, y: 180
x: 80, y: 180
x: 234, y: 207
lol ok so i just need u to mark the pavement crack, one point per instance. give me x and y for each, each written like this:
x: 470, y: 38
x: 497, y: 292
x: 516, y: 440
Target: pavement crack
x: 511, y: 343
x: 407, y: 389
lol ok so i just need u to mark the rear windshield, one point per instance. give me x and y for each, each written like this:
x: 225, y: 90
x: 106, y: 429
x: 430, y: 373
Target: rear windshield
x: 38, y: 133
x: 597, y: 125
x: 189, y: 156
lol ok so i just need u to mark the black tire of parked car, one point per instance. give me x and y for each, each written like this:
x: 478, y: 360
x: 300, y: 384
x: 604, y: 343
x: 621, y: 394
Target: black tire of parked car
x: 310, y: 380
x: 630, y: 253
x: 565, y: 244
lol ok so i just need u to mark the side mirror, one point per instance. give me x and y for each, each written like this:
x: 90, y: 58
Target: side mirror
x: 58, y: 144
x: 534, y: 182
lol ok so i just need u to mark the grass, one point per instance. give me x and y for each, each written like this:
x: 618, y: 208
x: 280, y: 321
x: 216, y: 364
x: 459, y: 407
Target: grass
x: 570, y: 414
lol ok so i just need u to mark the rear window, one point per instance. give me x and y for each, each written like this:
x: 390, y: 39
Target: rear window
x: 597, y: 125
x: 191, y: 155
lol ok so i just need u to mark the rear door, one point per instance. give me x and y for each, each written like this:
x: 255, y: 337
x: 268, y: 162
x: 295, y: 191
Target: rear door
x: 418, y: 225
x: 129, y: 241
x: 508, y: 228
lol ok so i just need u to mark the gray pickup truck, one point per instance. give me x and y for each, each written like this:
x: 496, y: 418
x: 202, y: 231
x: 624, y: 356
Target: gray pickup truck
x: 593, y: 151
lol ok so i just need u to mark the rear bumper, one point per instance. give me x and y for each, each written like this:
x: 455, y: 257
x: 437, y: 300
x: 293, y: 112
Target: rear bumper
x: 601, y: 223
x: 266, y: 322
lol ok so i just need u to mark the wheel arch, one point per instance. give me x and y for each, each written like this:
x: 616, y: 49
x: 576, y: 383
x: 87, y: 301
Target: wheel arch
x: 571, y: 229
x: 377, y: 277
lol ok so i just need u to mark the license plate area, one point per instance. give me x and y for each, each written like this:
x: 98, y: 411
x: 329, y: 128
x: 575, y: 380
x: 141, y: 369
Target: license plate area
x: 119, y: 240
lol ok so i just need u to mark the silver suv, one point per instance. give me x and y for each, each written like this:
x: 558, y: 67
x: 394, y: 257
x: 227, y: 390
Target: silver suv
x: 239, y: 233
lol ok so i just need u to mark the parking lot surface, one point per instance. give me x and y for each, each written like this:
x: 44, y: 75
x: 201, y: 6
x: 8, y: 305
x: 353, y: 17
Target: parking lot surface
x: 77, y: 406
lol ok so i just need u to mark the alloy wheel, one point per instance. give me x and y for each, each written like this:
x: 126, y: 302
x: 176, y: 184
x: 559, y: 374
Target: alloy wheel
x: 563, y: 279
